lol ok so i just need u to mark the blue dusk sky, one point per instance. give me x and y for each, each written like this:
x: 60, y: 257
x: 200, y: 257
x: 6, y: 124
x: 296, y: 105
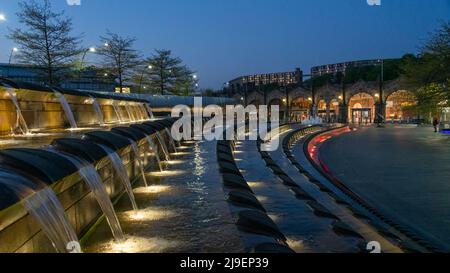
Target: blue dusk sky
x: 222, y: 39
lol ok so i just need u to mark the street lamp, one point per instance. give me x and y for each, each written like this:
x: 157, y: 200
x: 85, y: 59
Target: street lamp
x: 13, y: 50
x: 2, y: 17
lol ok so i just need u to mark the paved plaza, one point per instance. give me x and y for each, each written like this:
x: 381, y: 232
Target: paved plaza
x: 403, y: 171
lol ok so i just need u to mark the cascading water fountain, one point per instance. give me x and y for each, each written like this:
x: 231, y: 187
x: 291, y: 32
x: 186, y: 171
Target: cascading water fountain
x: 131, y: 117
x: 94, y: 181
x: 67, y: 110
x: 149, y: 110
x: 21, y: 123
x: 44, y: 206
x: 98, y: 110
x: 156, y: 151
x: 172, y: 142
x: 140, y: 162
x: 117, y: 111
x: 121, y: 172
x: 163, y: 146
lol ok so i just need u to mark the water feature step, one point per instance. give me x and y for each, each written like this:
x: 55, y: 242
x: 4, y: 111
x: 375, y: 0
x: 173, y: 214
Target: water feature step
x: 111, y: 140
x: 46, y: 166
x: 320, y: 210
x: 245, y: 199
x: 301, y: 194
x: 229, y: 168
x: 343, y: 229
x: 129, y: 132
x: 84, y: 149
x: 253, y: 221
x: 235, y: 182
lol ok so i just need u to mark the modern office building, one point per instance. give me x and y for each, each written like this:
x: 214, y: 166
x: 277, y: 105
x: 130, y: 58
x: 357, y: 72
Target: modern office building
x: 251, y: 81
x: 89, y: 79
x: 341, y: 67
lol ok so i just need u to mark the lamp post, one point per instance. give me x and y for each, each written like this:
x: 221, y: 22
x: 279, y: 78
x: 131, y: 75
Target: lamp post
x: 380, y: 96
x: 91, y: 50
x: 2, y: 17
x: 13, y: 50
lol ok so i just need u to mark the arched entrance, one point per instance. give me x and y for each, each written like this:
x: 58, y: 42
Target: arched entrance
x: 399, y: 107
x: 322, y: 110
x: 362, y: 109
x: 334, y: 111
x: 300, y: 108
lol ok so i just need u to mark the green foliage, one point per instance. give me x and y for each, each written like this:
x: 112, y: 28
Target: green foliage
x: 428, y: 74
x: 164, y: 73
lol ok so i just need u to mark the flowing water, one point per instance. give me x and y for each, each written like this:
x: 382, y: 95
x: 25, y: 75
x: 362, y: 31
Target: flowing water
x: 66, y: 107
x: 163, y: 146
x: 131, y: 117
x: 98, y: 110
x: 45, y: 207
x: 121, y: 172
x: 117, y: 111
x: 155, y: 151
x: 95, y: 183
x: 139, y: 160
x: 149, y: 110
x: 98, y: 188
x: 172, y: 142
x: 21, y: 123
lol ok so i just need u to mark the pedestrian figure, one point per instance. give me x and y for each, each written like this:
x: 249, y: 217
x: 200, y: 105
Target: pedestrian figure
x: 435, y: 124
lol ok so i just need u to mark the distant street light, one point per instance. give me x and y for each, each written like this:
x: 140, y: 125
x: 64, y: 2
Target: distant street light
x: 150, y: 67
x: 13, y: 50
x: 92, y: 49
x: 106, y: 44
x: 2, y: 17
x: 194, y: 76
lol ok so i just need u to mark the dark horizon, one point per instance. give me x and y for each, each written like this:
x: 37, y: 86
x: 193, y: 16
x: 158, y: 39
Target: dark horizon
x: 222, y: 40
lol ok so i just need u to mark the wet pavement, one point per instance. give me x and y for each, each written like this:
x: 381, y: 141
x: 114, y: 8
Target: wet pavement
x: 402, y: 171
x: 306, y: 232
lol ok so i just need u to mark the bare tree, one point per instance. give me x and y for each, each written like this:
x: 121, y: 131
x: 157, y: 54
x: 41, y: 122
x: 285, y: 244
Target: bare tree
x: 119, y: 57
x: 45, y: 40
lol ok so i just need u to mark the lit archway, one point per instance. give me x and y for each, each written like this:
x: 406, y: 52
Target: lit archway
x: 399, y: 106
x: 334, y: 110
x: 361, y: 108
x: 300, y: 108
x: 322, y: 110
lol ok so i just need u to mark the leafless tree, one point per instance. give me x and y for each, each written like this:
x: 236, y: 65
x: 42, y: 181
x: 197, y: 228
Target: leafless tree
x: 119, y: 57
x: 45, y: 40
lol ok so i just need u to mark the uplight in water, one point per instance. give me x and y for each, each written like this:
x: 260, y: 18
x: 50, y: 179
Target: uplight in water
x: 274, y: 217
x: 152, y: 189
x: 256, y: 184
x: 166, y: 173
x: 148, y: 214
x: 175, y: 162
x: 261, y: 198
x: 139, y: 245
x: 180, y: 153
x: 296, y: 245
